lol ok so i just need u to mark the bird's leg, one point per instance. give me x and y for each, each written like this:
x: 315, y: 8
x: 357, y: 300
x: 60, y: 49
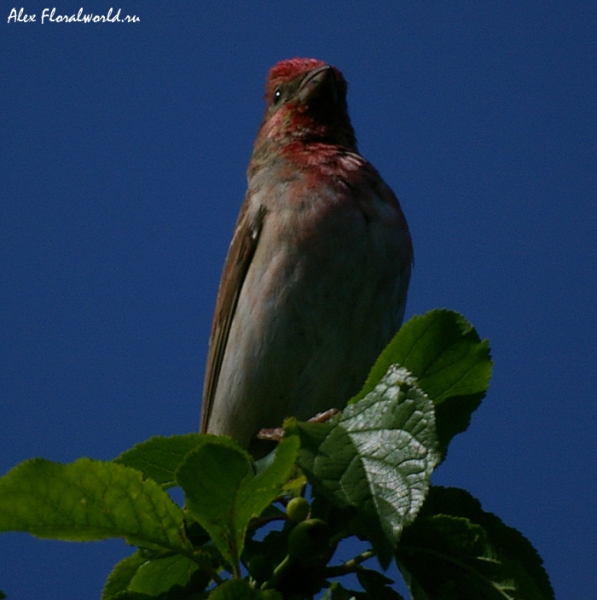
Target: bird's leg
x: 275, y: 434
x: 324, y: 416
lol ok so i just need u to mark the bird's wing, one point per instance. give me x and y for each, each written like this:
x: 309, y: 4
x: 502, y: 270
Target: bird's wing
x: 241, y: 252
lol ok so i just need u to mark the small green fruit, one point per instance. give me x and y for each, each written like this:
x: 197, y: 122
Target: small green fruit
x: 298, y: 509
x: 309, y: 542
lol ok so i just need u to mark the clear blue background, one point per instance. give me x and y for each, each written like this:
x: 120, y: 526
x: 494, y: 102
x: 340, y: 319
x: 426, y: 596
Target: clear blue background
x: 123, y: 152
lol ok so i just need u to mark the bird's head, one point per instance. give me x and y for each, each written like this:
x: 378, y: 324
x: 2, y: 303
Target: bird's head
x: 306, y: 103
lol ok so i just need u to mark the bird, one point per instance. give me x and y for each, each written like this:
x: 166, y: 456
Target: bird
x: 315, y: 282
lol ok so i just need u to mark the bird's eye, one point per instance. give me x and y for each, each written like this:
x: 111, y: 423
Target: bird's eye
x: 277, y: 96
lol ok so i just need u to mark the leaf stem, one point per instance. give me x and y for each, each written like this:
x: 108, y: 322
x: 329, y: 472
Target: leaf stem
x: 349, y: 566
x: 278, y: 571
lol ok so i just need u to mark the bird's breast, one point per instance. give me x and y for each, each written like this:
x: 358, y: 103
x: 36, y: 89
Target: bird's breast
x: 322, y: 296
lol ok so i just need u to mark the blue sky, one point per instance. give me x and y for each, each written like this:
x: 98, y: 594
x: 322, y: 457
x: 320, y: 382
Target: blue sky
x: 123, y: 153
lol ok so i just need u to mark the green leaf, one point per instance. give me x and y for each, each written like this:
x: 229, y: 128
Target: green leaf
x: 159, y: 575
x: 260, y: 491
x: 89, y: 500
x: 377, y: 457
x: 235, y: 589
x: 211, y: 476
x: 122, y: 573
x: 222, y: 492
x: 377, y: 585
x: 452, y: 365
x: 147, y: 574
x: 456, y: 550
x: 159, y: 457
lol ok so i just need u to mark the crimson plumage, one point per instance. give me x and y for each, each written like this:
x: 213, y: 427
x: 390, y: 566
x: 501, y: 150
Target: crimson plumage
x: 315, y: 281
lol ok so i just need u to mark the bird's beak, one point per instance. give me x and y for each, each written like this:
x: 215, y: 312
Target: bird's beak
x: 315, y: 82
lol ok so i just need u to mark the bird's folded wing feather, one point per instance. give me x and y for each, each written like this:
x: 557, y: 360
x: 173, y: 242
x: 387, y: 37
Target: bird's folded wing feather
x: 238, y: 261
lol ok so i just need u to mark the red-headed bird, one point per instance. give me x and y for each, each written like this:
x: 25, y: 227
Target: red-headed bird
x: 315, y: 282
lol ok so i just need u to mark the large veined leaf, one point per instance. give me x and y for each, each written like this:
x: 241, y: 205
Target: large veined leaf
x: 223, y: 494
x: 451, y: 364
x: 377, y: 457
x: 159, y: 457
x: 455, y: 549
x: 89, y: 500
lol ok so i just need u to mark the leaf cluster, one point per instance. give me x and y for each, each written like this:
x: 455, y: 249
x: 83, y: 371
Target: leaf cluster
x: 270, y: 529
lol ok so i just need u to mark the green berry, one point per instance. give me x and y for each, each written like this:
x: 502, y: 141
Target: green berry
x: 309, y: 542
x: 298, y: 509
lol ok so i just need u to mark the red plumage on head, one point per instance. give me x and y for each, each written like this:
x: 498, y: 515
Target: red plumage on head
x: 287, y: 70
